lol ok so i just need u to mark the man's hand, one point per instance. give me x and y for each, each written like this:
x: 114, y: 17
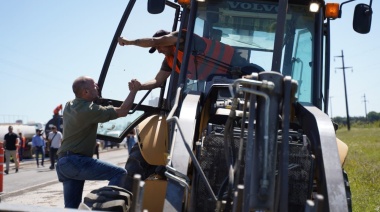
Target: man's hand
x: 122, y: 41
x: 134, y: 85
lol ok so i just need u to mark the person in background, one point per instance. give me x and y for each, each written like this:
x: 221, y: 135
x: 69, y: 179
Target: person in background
x: 80, y: 123
x: 216, y: 34
x: 106, y: 144
x: 96, y: 151
x: 131, y: 139
x: 55, y: 139
x: 38, y: 143
x: 21, y: 147
x: 11, y: 142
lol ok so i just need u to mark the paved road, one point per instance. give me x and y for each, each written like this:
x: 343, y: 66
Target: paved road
x: 28, y: 175
x: 40, y: 187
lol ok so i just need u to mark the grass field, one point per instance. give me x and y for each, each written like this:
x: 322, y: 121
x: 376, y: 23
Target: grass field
x: 363, y: 166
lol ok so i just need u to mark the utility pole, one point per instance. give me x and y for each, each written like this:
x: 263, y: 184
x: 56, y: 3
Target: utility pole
x: 331, y: 114
x: 365, y: 107
x: 345, y: 88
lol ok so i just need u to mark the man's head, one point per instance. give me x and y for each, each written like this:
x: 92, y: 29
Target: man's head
x: 54, y: 128
x: 10, y: 129
x: 216, y: 34
x: 161, y: 49
x: 86, y: 88
x: 38, y: 131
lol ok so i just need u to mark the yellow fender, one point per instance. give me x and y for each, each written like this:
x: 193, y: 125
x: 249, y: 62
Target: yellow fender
x: 342, y: 149
x: 153, y: 139
x: 153, y: 142
x: 154, y: 194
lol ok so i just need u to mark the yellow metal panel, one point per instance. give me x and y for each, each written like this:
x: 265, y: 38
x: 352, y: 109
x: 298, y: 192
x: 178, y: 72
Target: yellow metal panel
x: 154, y: 195
x: 342, y: 149
x: 153, y: 139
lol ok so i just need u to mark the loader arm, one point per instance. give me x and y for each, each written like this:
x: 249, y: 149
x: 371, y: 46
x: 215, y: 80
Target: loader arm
x: 320, y: 130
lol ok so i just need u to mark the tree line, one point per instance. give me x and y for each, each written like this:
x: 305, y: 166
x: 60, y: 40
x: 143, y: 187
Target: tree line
x: 372, y: 118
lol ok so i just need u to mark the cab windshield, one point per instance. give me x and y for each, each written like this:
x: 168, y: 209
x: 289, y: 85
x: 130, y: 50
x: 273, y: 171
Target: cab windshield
x: 250, y: 27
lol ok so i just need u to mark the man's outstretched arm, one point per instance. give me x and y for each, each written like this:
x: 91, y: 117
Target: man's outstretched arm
x: 166, y: 40
x: 123, y: 110
x: 157, y: 81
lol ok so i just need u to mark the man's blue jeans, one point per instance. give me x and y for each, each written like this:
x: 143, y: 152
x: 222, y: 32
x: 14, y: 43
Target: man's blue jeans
x: 130, y: 142
x: 73, y: 170
x: 40, y: 150
x: 52, y: 155
x: 21, y: 153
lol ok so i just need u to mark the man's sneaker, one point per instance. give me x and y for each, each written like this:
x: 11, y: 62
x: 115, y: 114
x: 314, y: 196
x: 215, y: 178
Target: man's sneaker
x: 6, y: 171
x: 16, y: 170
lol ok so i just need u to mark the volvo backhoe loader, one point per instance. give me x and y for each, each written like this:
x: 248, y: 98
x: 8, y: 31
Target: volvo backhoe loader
x: 257, y: 138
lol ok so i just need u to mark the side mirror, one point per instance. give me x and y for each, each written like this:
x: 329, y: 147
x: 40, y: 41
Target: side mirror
x: 156, y: 6
x: 362, y: 18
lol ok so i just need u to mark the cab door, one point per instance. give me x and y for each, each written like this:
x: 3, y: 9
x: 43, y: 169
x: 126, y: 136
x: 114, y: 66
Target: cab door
x: 124, y: 63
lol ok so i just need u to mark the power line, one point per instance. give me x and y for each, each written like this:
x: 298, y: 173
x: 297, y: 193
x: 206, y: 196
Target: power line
x: 365, y: 106
x: 345, y: 87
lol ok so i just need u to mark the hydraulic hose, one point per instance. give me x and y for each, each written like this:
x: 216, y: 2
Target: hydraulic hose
x: 228, y: 139
x: 264, y: 182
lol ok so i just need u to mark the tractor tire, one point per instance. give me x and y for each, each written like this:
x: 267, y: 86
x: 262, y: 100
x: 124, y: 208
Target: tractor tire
x: 348, y: 190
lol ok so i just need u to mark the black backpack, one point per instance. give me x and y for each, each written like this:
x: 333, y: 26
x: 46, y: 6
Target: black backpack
x: 109, y: 198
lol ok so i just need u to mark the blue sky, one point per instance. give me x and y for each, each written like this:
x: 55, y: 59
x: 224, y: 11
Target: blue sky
x: 45, y: 45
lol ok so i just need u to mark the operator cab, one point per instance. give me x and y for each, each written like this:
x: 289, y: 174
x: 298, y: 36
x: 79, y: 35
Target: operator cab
x: 244, y: 26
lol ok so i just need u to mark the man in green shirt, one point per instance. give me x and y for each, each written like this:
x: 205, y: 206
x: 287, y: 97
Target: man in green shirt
x: 80, y: 121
